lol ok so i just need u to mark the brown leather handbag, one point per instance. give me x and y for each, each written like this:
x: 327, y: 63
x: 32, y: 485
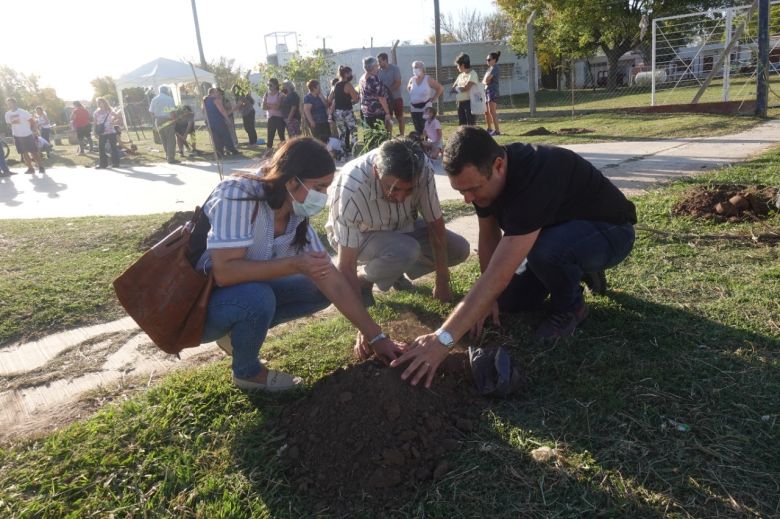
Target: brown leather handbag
x: 164, y: 293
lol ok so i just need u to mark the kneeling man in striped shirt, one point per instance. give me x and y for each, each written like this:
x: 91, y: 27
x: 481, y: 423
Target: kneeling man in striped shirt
x: 375, y: 203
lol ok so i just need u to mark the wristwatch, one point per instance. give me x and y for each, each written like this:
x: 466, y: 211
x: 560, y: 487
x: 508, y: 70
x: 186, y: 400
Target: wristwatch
x: 445, y: 338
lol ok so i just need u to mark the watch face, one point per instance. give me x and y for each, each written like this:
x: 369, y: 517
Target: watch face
x: 445, y: 338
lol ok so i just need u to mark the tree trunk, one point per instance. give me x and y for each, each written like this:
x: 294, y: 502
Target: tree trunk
x: 613, y: 59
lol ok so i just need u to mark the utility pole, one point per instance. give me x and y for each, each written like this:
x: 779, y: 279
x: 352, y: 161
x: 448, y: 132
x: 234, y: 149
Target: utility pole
x: 763, y: 58
x: 437, y: 36
x: 203, y: 64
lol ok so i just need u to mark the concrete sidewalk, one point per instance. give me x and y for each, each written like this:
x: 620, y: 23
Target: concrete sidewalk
x: 78, y: 191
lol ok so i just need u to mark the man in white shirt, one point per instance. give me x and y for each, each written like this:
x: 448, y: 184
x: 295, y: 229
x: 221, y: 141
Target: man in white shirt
x: 25, y: 132
x: 374, y: 205
x: 163, y: 109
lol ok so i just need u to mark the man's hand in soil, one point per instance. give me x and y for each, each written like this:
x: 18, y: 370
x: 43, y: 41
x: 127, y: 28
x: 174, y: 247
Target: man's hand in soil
x: 386, y: 350
x: 424, y: 355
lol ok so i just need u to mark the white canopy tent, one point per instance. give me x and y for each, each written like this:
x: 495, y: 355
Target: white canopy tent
x: 162, y: 71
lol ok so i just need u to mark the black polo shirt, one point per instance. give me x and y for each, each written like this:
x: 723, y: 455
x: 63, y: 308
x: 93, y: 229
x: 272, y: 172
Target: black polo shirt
x: 547, y: 185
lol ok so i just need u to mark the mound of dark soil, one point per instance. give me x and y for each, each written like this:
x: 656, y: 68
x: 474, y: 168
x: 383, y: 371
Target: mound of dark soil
x: 365, y: 436
x: 728, y: 202
x: 541, y: 130
x: 165, y: 229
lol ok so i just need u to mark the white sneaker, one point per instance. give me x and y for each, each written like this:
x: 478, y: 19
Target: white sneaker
x: 224, y: 343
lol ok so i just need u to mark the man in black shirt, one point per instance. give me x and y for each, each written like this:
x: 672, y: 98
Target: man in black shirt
x: 556, y: 210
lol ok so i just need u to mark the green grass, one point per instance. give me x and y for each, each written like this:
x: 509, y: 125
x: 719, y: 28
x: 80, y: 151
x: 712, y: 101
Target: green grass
x: 688, y: 334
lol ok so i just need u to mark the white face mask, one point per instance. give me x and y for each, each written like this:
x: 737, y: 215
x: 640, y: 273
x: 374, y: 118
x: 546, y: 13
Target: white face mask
x: 426, y: 116
x: 419, y: 72
x: 311, y: 205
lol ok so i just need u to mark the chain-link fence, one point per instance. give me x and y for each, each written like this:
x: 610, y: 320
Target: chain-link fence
x: 712, y: 56
x: 688, y: 55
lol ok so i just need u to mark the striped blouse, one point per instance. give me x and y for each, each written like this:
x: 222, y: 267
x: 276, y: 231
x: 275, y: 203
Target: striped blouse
x: 232, y: 226
x: 357, y: 206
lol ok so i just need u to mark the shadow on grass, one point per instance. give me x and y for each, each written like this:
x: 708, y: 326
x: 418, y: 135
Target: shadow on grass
x: 651, y: 410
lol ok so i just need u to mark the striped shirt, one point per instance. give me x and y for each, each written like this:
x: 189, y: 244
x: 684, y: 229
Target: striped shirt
x: 357, y: 205
x: 232, y: 226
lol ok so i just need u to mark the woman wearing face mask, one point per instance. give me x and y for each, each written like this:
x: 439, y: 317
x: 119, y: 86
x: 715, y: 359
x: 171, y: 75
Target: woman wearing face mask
x: 423, y: 91
x: 269, y: 265
x: 343, y: 96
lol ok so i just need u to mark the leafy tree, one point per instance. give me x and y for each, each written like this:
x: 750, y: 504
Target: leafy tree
x: 471, y: 25
x: 568, y: 29
x: 299, y: 70
x: 225, y: 72
x: 29, y: 94
x: 104, y: 87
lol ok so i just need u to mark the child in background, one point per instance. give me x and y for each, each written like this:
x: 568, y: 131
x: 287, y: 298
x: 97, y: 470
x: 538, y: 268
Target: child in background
x: 432, y: 133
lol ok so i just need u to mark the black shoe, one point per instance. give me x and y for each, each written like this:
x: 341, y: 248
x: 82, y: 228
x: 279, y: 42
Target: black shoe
x: 174, y: 161
x: 30, y: 171
x: 403, y: 283
x: 41, y: 170
x: 596, y: 282
x: 5, y: 174
x: 562, y: 325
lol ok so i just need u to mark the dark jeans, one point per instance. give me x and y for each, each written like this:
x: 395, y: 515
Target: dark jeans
x: 321, y: 131
x: 249, y: 126
x: 275, y: 125
x: 109, y: 138
x: 464, y: 113
x: 558, y: 259
x: 418, y: 121
x: 46, y: 134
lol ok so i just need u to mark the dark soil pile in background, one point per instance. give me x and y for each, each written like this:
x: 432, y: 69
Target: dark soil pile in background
x: 366, y: 438
x: 728, y: 202
x: 179, y: 218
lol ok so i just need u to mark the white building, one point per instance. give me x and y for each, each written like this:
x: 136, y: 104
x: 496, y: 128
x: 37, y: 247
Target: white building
x: 514, y: 69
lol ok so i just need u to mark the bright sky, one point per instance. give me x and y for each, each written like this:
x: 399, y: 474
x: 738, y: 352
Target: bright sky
x: 67, y: 44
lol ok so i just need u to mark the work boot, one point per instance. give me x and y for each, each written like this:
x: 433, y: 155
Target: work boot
x: 596, y: 282
x: 30, y: 171
x: 562, y: 324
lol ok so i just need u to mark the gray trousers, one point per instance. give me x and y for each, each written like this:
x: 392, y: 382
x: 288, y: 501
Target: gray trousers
x: 385, y: 256
x: 167, y: 132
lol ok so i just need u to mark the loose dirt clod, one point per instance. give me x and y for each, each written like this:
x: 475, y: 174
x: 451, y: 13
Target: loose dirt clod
x: 724, y: 202
x: 385, y: 442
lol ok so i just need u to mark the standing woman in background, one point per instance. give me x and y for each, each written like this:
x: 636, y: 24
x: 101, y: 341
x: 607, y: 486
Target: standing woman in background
x: 344, y: 96
x: 43, y: 122
x: 272, y: 104
x: 463, y: 83
x: 291, y: 110
x: 423, y: 91
x: 491, y: 92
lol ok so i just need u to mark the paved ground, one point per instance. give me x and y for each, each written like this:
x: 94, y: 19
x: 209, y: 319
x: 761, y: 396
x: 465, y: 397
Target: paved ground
x: 38, y: 379
x: 633, y: 166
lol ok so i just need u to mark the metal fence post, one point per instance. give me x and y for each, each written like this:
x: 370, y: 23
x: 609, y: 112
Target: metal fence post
x: 727, y: 59
x: 652, y: 68
x: 529, y: 29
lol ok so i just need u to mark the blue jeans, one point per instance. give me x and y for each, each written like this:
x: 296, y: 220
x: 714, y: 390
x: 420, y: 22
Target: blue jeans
x: 558, y: 259
x: 248, y: 310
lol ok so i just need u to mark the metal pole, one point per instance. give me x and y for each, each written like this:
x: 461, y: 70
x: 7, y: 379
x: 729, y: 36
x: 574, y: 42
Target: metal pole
x: 763, y: 58
x: 727, y: 59
x: 652, y: 67
x: 529, y: 29
x: 571, y: 84
x: 197, y: 34
x: 437, y: 35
